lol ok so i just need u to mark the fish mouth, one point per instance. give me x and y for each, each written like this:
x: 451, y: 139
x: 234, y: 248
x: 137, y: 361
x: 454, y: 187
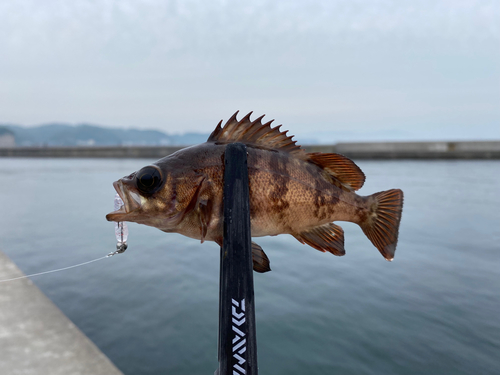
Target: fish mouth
x: 131, y: 203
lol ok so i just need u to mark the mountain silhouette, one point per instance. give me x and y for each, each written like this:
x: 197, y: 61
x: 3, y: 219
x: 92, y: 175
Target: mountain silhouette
x: 93, y: 135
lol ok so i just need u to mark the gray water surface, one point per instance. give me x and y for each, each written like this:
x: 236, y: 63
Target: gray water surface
x: 154, y: 309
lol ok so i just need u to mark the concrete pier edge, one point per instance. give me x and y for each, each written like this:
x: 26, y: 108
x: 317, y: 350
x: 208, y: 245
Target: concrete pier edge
x: 37, y: 338
x: 359, y: 150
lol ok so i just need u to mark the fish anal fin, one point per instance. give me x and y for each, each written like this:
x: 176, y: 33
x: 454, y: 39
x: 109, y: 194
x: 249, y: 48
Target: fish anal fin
x: 327, y: 237
x: 340, y: 167
x: 255, y: 133
x: 260, y: 260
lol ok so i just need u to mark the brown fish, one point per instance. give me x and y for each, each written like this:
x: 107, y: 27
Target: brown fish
x: 291, y: 191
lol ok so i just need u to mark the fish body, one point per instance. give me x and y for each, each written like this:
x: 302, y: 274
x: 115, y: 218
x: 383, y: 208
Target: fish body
x: 291, y: 192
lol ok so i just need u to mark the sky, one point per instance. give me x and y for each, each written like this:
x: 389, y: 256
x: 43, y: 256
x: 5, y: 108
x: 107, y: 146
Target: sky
x: 327, y: 70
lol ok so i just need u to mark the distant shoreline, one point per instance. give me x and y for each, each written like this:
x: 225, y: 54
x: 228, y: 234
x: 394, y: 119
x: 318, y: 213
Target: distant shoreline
x: 365, y: 150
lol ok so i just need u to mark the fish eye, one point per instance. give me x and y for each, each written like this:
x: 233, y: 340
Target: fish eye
x: 148, y: 179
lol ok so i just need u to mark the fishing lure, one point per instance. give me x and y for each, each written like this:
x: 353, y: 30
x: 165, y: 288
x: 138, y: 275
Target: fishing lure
x: 121, y: 230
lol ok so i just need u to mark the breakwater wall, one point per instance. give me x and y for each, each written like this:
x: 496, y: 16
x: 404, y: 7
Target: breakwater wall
x: 360, y: 150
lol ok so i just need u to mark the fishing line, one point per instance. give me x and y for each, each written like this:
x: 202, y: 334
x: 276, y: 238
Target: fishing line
x: 59, y: 269
x: 121, y: 232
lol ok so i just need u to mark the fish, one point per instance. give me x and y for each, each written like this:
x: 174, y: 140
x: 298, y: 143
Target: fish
x: 291, y: 192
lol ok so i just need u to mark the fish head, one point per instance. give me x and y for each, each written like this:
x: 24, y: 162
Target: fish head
x: 149, y: 198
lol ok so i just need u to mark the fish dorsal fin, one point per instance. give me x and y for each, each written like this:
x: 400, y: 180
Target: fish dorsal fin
x: 341, y: 168
x: 255, y: 133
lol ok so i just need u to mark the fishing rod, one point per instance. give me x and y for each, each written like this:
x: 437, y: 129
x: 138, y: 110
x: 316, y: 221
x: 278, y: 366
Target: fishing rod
x: 237, y: 336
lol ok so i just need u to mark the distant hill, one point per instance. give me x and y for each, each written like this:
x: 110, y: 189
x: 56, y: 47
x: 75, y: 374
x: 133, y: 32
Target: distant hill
x: 5, y: 131
x: 92, y: 135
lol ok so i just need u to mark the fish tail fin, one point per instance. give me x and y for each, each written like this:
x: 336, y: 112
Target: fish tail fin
x: 382, y: 223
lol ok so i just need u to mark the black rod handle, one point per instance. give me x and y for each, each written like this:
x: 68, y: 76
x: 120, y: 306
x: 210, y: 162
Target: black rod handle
x: 237, y: 337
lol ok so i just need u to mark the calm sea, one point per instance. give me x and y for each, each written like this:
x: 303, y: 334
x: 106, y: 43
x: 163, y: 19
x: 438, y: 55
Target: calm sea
x: 154, y: 309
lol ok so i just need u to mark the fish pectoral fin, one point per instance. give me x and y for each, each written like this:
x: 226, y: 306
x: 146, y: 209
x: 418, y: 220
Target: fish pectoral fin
x: 327, y: 237
x: 260, y: 260
x: 340, y: 168
x: 205, y: 214
x: 204, y: 206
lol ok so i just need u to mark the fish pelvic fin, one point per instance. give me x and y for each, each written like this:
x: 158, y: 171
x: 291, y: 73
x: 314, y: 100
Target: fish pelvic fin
x: 255, y: 133
x: 326, y: 238
x: 382, y: 223
x: 260, y: 260
x: 342, y: 169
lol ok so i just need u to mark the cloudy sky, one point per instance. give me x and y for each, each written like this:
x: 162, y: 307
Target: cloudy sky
x: 328, y: 70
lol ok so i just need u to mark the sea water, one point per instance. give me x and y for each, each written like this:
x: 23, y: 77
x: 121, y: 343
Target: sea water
x: 154, y: 309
